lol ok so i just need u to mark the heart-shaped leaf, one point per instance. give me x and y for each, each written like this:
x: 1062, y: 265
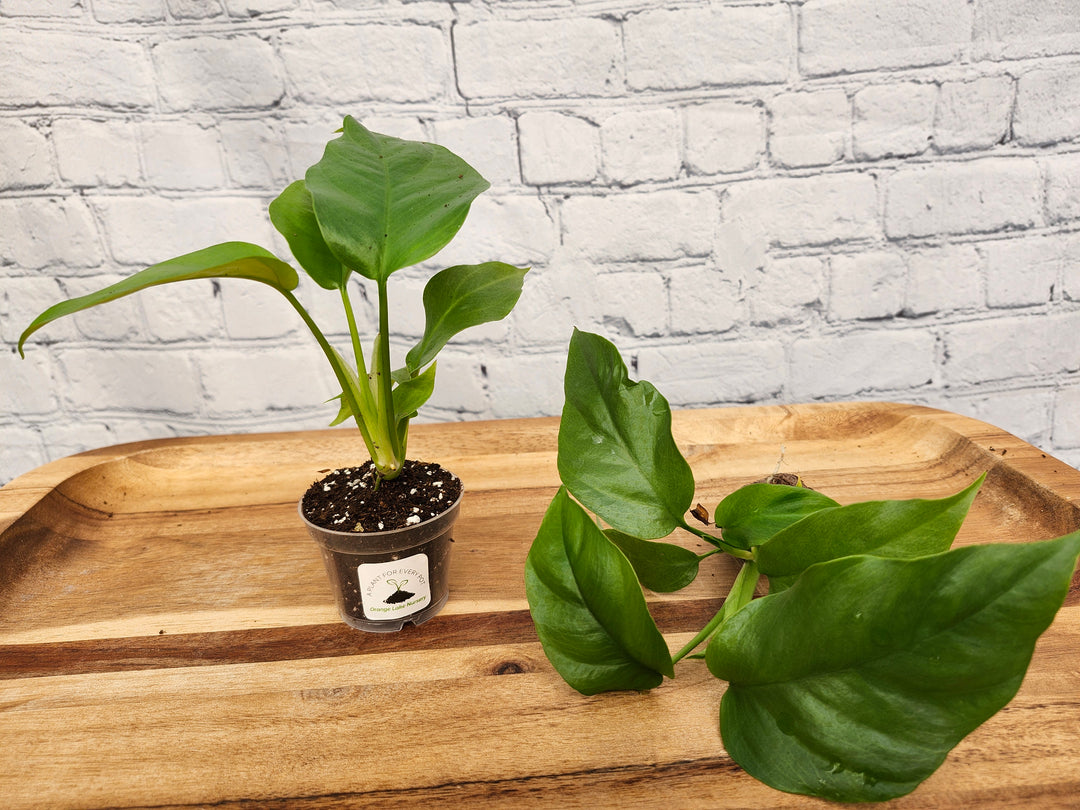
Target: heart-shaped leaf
x: 911, y: 528
x: 660, y: 567
x: 752, y: 514
x: 588, y: 608
x: 616, y: 452
x: 855, y: 683
x: 227, y: 260
x: 460, y: 297
x: 383, y: 203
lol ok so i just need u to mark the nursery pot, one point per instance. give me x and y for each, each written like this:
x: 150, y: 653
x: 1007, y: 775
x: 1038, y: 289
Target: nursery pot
x: 385, y: 580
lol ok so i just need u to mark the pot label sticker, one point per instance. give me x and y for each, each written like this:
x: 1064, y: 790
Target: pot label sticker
x: 394, y: 589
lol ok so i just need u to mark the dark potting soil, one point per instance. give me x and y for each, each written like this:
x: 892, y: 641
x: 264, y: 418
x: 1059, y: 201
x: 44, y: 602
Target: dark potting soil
x: 347, y: 500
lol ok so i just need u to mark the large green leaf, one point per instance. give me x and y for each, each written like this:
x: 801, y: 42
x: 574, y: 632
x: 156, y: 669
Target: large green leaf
x: 616, y: 452
x: 752, y: 514
x: 460, y: 297
x: 384, y: 203
x: 660, y: 567
x: 911, y: 528
x: 588, y: 608
x: 410, y: 394
x: 294, y: 217
x: 855, y: 683
x: 227, y: 260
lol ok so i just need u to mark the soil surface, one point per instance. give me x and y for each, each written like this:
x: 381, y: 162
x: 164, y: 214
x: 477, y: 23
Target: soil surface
x: 347, y: 500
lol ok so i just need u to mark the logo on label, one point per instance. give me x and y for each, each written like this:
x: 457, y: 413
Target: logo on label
x: 383, y: 588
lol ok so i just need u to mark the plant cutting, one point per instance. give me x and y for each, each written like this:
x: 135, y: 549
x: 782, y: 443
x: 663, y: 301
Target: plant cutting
x: 372, y: 205
x: 877, y: 647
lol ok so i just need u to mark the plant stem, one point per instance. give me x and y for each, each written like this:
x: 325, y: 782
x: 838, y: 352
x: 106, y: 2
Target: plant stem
x: 384, y: 384
x: 742, y: 591
x: 734, y: 551
x: 358, y: 352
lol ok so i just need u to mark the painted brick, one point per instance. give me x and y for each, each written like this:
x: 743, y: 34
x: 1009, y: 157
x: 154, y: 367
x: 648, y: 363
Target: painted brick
x: 146, y: 230
x: 572, y: 57
x: 130, y: 11
x: 513, y: 229
x: 705, y: 372
x: 973, y: 114
x: 254, y: 311
x: 723, y: 137
x: 306, y: 140
x: 126, y: 379
x: 46, y: 68
x: 1070, y: 281
x: 23, y: 298
x: 97, y: 153
x: 211, y: 73
x: 806, y: 211
x: 787, y: 290
x: 400, y: 64
x: 893, y: 120
x: 41, y: 8
x: 860, y: 363
x: 703, y: 300
x: 655, y: 225
x: 21, y: 450
x: 195, y: 9
x: 640, y: 145
x: 255, y: 154
x: 460, y: 387
x: 557, y: 148
x: 942, y: 279
x: 29, y: 385
x: 1009, y: 349
x: 190, y: 310
x: 488, y: 143
x: 256, y: 8
x: 1013, y: 29
x: 867, y: 285
x: 1023, y: 413
x: 622, y: 303
x: 182, y: 155
x: 116, y: 321
x: 1047, y: 107
x: 263, y: 378
x: 25, y: 157
x: 1066, y: 424
x: 684, y: 48
x: 46, y: 231
x: 810, y: 128
x: 528, y: 385
x: 976, y: 196
x: 1022, y: 272
x: 846, y: 36
x: 555, y: 301
x: 1062, y: 187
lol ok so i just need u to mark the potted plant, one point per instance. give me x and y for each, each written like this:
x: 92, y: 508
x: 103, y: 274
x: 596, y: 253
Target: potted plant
x: 372, y: 205
x: 874, y: 652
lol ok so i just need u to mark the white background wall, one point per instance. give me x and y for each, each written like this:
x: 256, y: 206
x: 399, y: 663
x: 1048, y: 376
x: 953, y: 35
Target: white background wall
x: 758, y: 200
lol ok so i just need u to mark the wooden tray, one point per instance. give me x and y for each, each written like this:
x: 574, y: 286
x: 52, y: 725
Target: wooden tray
x: 167, y: 635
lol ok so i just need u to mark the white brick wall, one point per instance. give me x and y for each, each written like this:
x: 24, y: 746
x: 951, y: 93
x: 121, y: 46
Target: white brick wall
x: 759, y: 200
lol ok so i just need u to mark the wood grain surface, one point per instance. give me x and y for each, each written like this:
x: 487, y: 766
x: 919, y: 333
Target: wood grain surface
x: 168, y: 638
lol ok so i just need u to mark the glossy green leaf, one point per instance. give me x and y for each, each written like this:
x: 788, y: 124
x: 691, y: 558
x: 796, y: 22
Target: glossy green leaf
x: 294, y: 217
x: 855, y: 683
x: 411, y: 394
x: 227, y: 260
x: 588, y: 608
x: 616, y: 452
x: 461, y: 297
x: 752, y: 514
x: 384, y: 203
x: 660, y: 567
x: 910, y: 528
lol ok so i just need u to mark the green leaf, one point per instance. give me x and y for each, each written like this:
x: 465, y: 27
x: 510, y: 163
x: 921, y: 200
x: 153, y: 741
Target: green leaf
x: 460, y: 297
x: 227, y: 260
x: 384, y: 203
x: 752, y: 514
x: 588, y: 608
x: 660, y: 567
x: 294, y: 217
x: 911, y: 528
x: 855, y: 683
x: 411, y: 394
x: 616, y: 452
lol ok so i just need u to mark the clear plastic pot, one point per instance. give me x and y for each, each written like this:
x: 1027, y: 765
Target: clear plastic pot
x: 385, y: 580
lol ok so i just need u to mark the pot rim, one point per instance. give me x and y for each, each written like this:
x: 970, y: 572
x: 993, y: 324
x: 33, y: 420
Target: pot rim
x: 386, y: 534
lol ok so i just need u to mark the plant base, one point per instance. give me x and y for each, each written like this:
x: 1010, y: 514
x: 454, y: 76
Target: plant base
x: 384, y: 580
